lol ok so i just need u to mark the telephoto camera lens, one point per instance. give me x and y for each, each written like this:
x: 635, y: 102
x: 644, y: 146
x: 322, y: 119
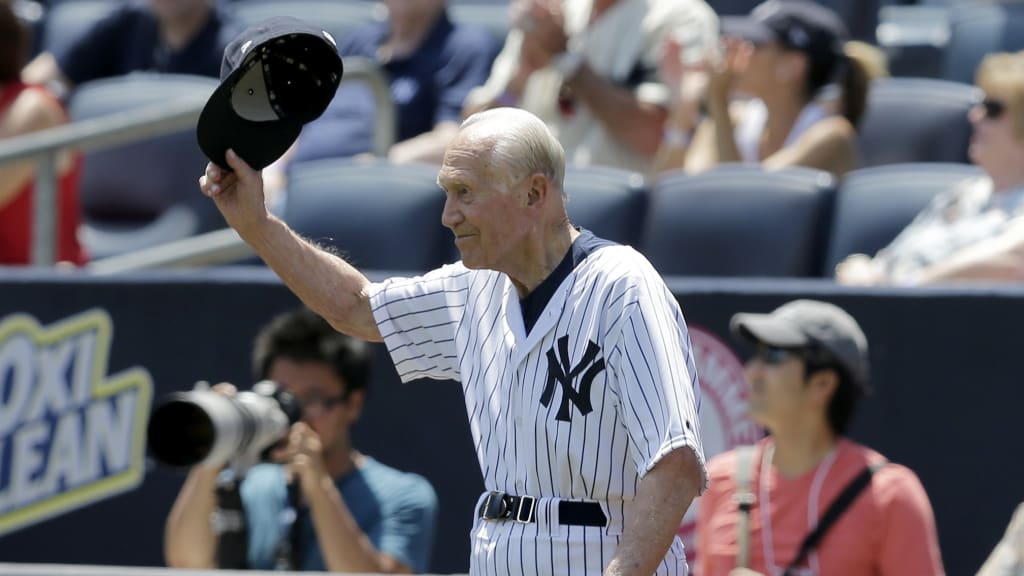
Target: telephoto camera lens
x: 209, y: 429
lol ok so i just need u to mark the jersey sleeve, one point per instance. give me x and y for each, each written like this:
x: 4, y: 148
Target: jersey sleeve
x: 408, y: 527
x: 910, y: 544
x: 418, y: 317
x: 656, y: 374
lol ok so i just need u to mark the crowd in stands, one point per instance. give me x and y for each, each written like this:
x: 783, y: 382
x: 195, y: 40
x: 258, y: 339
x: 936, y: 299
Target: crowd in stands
x: 649, y: 86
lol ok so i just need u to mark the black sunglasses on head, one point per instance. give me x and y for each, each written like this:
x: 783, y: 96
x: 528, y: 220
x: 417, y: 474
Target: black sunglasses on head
x: 993, y: 108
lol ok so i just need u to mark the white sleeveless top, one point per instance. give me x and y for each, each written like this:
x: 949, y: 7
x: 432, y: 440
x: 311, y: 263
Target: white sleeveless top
x: 751, y: 125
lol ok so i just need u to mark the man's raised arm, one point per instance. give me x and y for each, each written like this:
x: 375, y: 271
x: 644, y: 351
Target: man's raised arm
x: 326, y: 283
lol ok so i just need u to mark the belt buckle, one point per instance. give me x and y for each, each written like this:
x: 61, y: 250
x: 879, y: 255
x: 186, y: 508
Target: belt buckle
x: 494, y: 506
x: 524, y: 512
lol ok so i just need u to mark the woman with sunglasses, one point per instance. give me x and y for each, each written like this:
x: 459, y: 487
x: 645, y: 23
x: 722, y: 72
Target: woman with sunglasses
x: 975, y: 231
x: 780, y: 58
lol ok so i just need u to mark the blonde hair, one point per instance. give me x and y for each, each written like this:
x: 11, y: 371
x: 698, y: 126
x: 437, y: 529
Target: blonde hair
x: 1002, y: 73
x: 520, y: 142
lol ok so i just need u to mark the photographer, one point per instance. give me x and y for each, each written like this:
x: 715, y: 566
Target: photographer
x: 321, y: 505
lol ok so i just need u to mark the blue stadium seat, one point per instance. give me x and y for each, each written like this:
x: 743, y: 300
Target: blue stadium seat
x: 739, y: 220
x: 916, y: 120
x: 607, y: 201
x: 874, y: 204
x: 379, y: 215
x: 914, y: 39
x: 978, y: 28
x: 337, y: 17
x: 142, y: 193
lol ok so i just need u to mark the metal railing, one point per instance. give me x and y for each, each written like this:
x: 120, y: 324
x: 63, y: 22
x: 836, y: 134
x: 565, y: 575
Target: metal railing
x: 142, y: 123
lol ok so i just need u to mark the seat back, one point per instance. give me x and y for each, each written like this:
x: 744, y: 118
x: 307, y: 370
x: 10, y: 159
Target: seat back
x: 378, y: 215
x: 874, y: 204
x: 607, y: 201
x: 129, y: 186
x: 916, y: 120
x: 977, y: 29
x: 739, y: 220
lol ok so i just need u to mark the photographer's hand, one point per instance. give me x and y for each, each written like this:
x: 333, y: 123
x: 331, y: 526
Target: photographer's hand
x: 303, y: 454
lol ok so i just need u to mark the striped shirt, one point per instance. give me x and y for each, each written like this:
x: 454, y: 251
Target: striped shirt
x: 580, y: 407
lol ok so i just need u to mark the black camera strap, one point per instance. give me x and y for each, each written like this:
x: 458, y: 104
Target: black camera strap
x: 834, y: 512
x: 288, y: 554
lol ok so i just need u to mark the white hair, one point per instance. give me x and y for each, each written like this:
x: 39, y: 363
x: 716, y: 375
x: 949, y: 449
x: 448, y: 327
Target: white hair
x: 520, y: 142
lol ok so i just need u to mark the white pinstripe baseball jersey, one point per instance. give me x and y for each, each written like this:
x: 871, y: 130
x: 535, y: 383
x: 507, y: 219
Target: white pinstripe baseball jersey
x: 578, y: 408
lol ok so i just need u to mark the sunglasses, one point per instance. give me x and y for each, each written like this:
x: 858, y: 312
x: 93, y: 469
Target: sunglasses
x: 993, y: 108
x: 774, y: 355
x: 814, y: 357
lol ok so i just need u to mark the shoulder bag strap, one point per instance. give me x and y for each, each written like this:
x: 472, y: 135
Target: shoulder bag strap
x: 744, y: 498
x: 828, y: 519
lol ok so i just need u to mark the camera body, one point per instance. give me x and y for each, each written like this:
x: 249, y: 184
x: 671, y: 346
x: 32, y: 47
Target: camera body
x: 209, y: 429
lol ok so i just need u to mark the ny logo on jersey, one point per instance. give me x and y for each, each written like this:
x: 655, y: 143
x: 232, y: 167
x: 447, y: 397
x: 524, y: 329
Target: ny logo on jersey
x: 559, y: 370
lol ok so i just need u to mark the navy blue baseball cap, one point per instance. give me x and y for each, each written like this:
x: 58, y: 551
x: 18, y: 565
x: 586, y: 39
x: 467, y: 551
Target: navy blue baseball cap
x: 800, y: 25
x: 275, y: 77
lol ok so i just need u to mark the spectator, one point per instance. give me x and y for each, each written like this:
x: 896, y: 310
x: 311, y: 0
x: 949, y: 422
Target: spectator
x: 974, y: 231
x: 173, y: 36
x: 808, y: 371
x: 782, y: 55
x: 431, y: 63
x: 24, y: 109
x: 355, y: 514
x: 1007, y: 558
x: 588, y: 68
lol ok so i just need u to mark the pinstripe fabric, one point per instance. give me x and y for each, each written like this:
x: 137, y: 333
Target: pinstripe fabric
x: 612, y: 324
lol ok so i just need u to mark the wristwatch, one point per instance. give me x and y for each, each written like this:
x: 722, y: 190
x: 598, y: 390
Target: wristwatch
x: 568, y: 64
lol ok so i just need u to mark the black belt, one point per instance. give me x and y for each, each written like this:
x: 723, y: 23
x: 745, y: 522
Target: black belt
x: 501, y: 506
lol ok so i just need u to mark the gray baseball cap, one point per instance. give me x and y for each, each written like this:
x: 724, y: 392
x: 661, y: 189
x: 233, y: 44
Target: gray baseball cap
x: 808, y: 323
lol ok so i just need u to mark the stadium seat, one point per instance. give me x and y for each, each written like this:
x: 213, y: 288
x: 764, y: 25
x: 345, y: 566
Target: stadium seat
x: 739, y: 220
x: 916, y: 120
x: 874, y: 204
x: 978, y: 28
x: 607, y: 201
x: 142, y: 193
x: 66, y: 22
x: 379, y: 215
x: 914, y: 39
x: 336, y: 16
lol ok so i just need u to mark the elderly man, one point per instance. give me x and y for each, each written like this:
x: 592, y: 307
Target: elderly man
x: 573, y: 355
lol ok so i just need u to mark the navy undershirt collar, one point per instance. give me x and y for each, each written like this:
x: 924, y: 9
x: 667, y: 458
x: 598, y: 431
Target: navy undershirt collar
x: 534, y: 303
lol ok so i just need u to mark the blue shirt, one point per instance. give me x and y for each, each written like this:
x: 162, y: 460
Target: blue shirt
x: 128, y: 40
x: 395, y: 509
x: 427, y: 87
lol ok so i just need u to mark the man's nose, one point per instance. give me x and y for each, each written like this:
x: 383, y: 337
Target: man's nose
x: 450, y: 216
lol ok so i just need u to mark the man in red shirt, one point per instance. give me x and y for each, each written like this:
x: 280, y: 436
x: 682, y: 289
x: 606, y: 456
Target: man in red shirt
x: 808, y: 370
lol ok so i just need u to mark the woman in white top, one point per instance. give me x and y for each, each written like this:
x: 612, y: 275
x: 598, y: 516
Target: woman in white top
x: 781, y: 56
x: 975, y: 230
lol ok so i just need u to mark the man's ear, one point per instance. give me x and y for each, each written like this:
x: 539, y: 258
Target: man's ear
x: 355, y: 402
x: 539, y: 188
x: 824, y: 384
